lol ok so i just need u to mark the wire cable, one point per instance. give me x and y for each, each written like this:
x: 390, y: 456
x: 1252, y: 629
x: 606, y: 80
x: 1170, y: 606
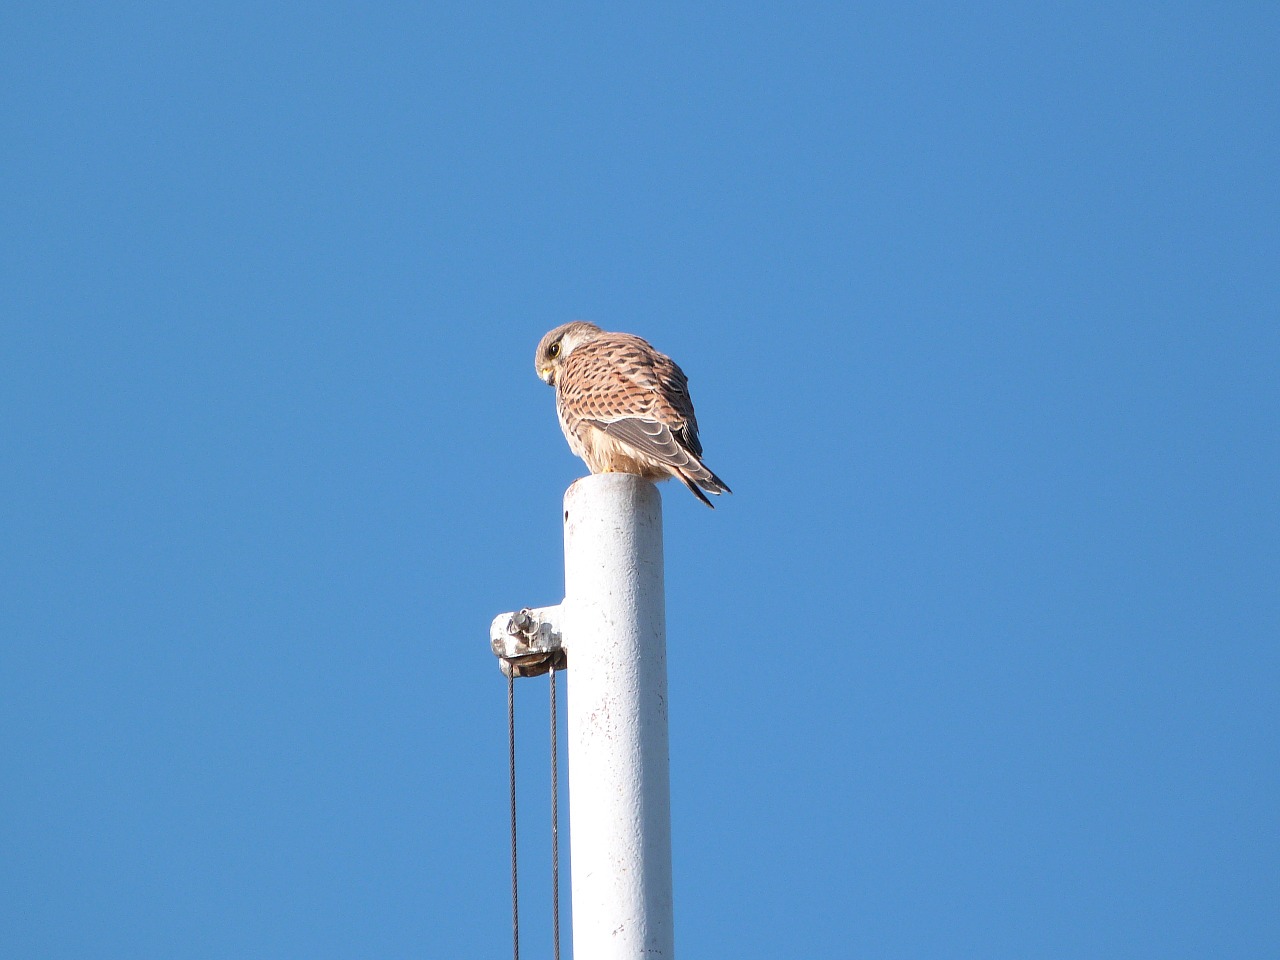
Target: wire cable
x: 555, y: 824
x: 511, y: 761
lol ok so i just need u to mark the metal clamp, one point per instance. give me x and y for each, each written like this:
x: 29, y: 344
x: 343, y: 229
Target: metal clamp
x: 528, y: 643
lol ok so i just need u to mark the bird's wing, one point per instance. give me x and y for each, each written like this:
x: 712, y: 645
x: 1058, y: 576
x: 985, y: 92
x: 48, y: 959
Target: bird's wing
x: 616, y: 378
x: 650, y: 437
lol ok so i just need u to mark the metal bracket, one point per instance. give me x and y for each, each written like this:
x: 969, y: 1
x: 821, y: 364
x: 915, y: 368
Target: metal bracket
x: 528, y: 643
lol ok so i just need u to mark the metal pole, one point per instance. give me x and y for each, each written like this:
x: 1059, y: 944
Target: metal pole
x: 614, y: 620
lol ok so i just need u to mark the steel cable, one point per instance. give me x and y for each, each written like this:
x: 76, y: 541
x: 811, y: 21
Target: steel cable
x: 555, y: 825
x: 511, y: 761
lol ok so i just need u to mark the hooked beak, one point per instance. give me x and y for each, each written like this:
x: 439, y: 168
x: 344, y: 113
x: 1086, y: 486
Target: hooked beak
x: 548, y: 375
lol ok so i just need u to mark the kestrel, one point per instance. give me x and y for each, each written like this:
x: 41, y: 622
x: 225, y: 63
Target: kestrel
x: 624, y: 407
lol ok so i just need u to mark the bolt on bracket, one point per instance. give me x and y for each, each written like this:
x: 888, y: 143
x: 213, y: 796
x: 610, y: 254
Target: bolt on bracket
x: 528, y: 643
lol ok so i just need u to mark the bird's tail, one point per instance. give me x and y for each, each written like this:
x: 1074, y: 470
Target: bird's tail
x: 697, y: 478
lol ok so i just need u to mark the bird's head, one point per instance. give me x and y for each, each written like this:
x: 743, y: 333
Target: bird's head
x: 558, y: 344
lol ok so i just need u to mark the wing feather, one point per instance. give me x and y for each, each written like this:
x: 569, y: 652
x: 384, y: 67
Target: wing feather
x: 657, y: 440
x: 647, y: 436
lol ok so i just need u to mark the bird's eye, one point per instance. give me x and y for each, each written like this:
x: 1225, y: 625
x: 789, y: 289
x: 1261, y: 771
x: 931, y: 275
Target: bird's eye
x: 553, y: 351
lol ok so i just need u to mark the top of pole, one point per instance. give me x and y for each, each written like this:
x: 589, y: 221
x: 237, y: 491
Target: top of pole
x: 613, y: 491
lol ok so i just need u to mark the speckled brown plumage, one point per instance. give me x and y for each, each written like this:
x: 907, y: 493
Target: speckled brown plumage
x: 624, y: 407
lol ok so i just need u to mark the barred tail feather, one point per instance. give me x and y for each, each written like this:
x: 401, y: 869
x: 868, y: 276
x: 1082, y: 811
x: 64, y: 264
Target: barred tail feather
x: 698, y: 478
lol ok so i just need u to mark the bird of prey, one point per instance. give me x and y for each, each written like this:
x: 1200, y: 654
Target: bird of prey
x: 624, y: 407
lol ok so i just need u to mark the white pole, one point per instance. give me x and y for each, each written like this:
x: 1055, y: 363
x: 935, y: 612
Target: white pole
x: 619, y: 778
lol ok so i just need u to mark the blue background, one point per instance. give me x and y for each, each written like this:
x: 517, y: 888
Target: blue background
x: 979, y: 306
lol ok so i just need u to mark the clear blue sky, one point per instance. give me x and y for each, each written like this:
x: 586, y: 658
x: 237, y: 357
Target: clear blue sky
x: 979, y: 304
